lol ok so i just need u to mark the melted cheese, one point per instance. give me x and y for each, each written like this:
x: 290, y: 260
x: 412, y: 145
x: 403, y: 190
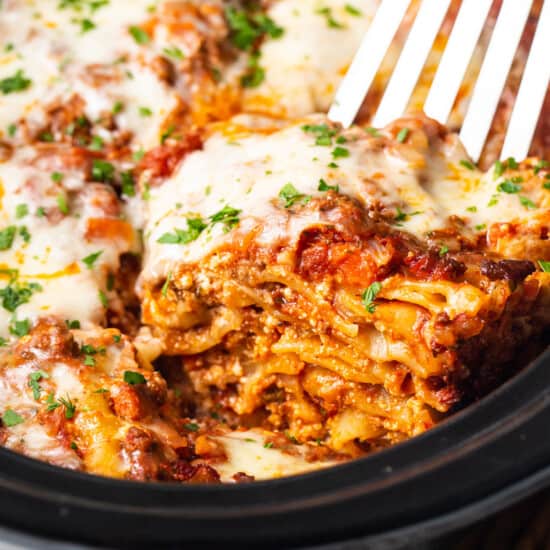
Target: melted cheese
x: 47, y: 43
x: 53, y: 256
x: 248, y: 175
x: 302, y: 75
x: 249, y: 453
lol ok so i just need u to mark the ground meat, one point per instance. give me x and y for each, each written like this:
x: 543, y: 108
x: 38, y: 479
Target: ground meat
x: 510, y: 270
x: 241, y: 477
x: 49, y: 338
x: 138, y: 448
x: 161, y: 161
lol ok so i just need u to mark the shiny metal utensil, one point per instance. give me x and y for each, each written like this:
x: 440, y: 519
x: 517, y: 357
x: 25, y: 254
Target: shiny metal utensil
x: 465, y: 34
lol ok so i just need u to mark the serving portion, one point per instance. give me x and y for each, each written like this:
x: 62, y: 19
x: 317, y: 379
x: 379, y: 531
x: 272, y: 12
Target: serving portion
x: 204, y: 281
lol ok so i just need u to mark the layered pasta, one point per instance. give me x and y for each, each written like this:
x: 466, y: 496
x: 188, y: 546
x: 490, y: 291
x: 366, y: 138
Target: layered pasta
x: 205, y: 280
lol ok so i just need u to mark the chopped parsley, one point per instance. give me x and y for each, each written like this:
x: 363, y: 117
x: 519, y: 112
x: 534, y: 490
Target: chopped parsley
x: 21, y: 210
x: 57, y: 177
x: 51, y: 402
x: 545, y: 266
x: 191, y: 426
x: 369, y: 295
x: 246, y: 28
x: 16, y: 83
x: 116, y: 338
x: 352, y: 10
x: 133, y: 378
x: 268, y: 444
x: 340, y: 152
x: 40, y: 211
x: 499, y: 169
x: 128, y: 184
x: 527, y: 203
x: 102, y: 170
x: 164, y: 289
x: 324, y: 186
x: 228, y: 216
x: 11, y: 418
x: 70, y: 407
x: 24, y: 232
x: 331, y: 22
x: 195, y: 226
x: 20, y: 328
x: 96, y: 144
x: 12, y: 128
x: 33, y: 383
x: 16, y: 294
x: 139, y: 35
x: 541, y: 164
x: 323, y: 134
x: 46, y: 137
x: 443, y: 250
x: 167, y: 133
x: 493, y: 201
x: 402, y: 135
x: 512, y: 163
x: 145, y: 111
x: 467, y: 164
x: 72, y: 324
x: 255, y: 74
x: 472, y: 209
x: 508, y: 186
x: 480, y: 227
x: 6, y: 237
x: 90, y: 260
x: 86, y: 25
x: 103, y: 298
x: 62, y: 204
x: 403, y: 216
x: 290, y: 195
x: 174, y: 52
x: 372, y: 131
x: 118, y: 107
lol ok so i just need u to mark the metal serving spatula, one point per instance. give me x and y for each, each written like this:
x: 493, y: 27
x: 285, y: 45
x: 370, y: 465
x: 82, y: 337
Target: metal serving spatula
x: 452, y: 67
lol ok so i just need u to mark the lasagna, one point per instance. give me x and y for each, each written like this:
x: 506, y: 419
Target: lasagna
x: 205, y: 280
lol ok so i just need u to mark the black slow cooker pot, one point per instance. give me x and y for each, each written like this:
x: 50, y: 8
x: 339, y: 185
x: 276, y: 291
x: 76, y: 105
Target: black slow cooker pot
x: 479, y: 461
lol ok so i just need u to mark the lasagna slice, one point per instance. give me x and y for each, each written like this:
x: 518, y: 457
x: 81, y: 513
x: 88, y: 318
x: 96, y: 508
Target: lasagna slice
x: 85, y: 400
x: 345, y: 287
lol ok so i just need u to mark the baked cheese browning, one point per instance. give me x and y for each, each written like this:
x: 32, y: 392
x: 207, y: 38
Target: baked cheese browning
x: 332, y: 282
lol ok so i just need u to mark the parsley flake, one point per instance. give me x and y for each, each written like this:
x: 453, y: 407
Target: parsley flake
x: 369, y: 295
x: 16, y: 83
x: 324, y: 186
x: 139, y: 35
x: 20, y: 328
x: 340, y: 152
x: 33, y: 383
x: 21, y: 210
x: 526, y: 202
x: 11, y: 418
x: 6, y: 237
x: 228, y: 216
x: 544, y: 265
x: 90, y: 260
x: 133, y: 378
x: 402, y: 135
x: 195, y: 226
x: 290, y: 195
